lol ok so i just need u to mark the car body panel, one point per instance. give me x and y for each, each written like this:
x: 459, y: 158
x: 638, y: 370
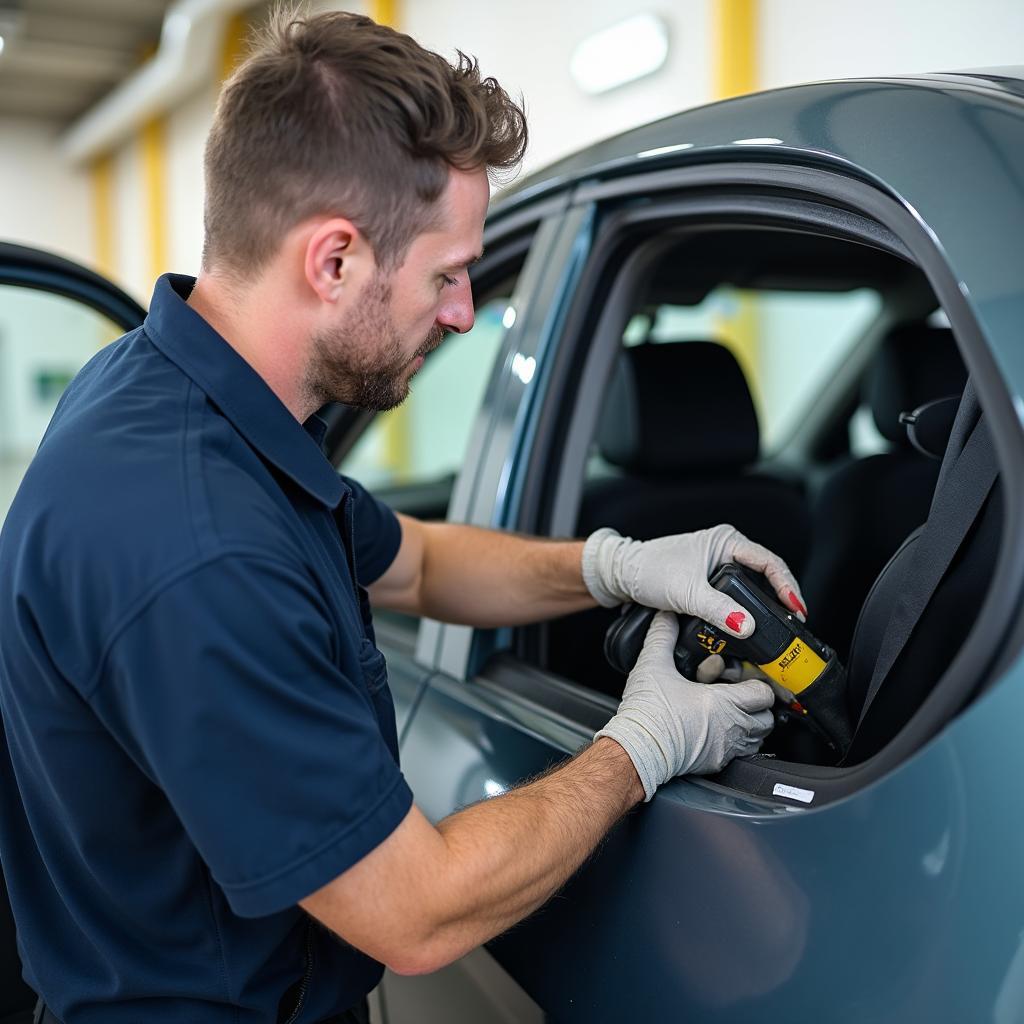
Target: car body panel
x: 899, y: 903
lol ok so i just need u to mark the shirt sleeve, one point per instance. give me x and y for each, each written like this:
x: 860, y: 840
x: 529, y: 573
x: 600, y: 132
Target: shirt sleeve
x: 376, y: 534
x: 227, y: 690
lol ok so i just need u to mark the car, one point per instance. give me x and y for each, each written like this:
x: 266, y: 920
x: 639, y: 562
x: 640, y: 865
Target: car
x: 798, y: 312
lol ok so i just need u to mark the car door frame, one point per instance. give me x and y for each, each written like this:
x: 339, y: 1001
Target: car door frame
x: 498, y: 427
x: 45, y: 271
x: 848, y: 206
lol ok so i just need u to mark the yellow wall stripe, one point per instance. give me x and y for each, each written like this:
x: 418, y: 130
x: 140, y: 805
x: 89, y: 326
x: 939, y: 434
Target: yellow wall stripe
x: 233, y: 48
x: 735, y: 28
x: 397, y: 425
x: 735, y: 74
x: 153, y: 139
x: 384, y: 12
x: 102, y: 176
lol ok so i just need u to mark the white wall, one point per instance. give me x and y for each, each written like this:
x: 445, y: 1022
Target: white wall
x: 187, y: 128
x: 527, y: 46
x: 130, y: 227
x: 809, y: 40
x: 185, y: 132
x: 43, y: 203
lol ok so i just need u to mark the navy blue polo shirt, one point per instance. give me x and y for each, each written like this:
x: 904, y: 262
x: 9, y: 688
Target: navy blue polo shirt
x: 199, y: 731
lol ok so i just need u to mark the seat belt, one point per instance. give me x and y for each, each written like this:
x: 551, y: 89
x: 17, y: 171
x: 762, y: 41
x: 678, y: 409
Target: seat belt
x: 963, y: 487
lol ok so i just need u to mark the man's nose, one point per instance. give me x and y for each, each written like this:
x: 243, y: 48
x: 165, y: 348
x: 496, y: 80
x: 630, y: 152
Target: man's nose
x: 456, y: 315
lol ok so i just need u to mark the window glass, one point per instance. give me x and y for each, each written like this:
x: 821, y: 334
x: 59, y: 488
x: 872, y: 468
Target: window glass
x: 424, y: 440
x: 788, y: 343
x: 45, y: 339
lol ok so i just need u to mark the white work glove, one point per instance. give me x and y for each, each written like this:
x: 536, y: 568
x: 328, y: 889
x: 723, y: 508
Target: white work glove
x: 672, y: 573
x: 670, y: 725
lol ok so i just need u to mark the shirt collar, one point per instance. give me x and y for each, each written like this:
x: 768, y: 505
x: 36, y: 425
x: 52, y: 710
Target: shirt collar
x: 240, y: 393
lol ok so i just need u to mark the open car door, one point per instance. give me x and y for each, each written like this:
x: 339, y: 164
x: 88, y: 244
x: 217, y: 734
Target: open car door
x: 54, y: 316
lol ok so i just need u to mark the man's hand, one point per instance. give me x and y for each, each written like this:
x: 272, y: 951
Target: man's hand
x: 672, y: 573
x: 670, y: 725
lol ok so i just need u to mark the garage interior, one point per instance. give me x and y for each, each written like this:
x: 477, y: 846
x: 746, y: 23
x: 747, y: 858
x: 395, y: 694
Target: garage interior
x: 104, y: 110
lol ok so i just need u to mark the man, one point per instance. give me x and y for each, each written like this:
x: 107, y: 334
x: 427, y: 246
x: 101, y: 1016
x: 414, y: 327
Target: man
x: 203, y: 765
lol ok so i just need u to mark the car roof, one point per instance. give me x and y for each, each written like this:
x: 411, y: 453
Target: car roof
x: 633, y: 150
x: 947, y: 146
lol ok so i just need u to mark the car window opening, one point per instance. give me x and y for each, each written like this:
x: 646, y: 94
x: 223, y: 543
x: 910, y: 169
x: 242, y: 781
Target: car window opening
x: 760, y: 379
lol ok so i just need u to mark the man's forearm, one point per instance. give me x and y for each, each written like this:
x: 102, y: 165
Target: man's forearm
x: 535, y: 838
x: 488, y: 578
x: 427, y: 895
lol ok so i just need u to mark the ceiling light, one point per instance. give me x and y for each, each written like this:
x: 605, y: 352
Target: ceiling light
x: 1, y: 44
x: 622, y: 53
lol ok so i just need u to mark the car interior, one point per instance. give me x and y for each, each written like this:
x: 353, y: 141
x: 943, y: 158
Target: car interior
x: 678, y: 446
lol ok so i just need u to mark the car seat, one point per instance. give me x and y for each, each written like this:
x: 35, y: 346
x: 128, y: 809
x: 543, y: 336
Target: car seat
x: 867, y: 507
x: 680, y: 429
x: 937, y: 633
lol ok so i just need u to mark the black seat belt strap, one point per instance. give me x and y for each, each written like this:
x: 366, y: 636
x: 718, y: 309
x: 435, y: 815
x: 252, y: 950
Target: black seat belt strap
x: 958, y: 500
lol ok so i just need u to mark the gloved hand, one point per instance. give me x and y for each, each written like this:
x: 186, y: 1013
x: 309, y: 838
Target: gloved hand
x: 670, y: 725
x: 672, y: 573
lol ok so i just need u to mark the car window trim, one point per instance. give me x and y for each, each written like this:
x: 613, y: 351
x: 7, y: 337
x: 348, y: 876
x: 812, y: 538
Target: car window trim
x: 525, y: 236
x: 993, y: 644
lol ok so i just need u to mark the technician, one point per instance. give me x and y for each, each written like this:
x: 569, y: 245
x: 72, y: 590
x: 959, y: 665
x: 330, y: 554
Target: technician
x: 201, y: 764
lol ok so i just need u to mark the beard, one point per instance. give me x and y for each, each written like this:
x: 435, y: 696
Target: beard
x: 363, y: 361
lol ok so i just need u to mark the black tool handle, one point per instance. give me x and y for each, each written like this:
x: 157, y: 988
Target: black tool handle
x: 625, y: 639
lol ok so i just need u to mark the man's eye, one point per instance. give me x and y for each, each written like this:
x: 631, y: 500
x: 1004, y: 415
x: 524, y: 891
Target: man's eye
x: 449, y: 282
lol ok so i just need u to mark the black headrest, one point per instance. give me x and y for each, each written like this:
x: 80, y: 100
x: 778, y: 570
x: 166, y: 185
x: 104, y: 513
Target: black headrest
x: 678, y: 405
x: 915, y: 364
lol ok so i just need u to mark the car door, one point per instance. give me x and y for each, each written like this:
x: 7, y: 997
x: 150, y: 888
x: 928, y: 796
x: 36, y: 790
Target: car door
x: 54, y: 315
x: 717, y: 901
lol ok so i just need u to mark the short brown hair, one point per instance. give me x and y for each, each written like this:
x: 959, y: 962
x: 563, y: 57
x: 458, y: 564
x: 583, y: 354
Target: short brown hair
x: 337, y: 114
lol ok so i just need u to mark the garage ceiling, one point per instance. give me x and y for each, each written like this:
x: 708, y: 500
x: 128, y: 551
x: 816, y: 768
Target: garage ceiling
x: 61, y: 56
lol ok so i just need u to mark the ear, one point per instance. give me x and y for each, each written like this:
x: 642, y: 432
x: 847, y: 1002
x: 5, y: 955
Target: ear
x: 337, y: 256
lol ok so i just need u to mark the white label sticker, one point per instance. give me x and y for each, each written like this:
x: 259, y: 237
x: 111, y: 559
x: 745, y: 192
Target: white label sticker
x: 803, y: 795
